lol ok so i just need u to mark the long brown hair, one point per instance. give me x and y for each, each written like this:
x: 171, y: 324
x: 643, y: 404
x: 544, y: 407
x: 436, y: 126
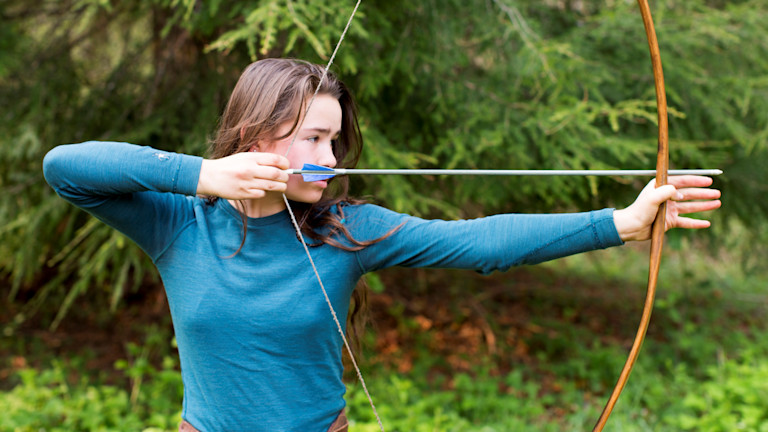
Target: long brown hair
x: 271, y: 93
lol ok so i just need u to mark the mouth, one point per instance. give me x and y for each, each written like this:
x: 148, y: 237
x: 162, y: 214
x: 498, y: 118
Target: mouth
x: 322, y: 183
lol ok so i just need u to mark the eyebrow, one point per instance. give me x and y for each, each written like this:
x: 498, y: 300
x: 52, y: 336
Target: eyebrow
x: 320, y: 130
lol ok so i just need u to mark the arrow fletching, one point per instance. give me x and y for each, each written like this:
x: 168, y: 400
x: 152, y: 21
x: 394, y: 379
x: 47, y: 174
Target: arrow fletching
x: 324, y: 173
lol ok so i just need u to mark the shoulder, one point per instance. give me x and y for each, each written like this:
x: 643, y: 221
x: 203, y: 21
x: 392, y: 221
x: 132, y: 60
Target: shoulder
x: 369, y: 221
x: 368, y: 213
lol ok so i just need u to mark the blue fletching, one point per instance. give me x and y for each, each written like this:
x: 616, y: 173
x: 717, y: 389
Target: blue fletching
x: 316, y: 177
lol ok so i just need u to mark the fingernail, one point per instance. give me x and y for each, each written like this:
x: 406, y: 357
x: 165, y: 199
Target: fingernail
x: 679, y: 196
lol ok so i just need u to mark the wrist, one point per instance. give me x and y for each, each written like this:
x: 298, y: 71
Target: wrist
x: 202, y: 181
x: 627, y: 226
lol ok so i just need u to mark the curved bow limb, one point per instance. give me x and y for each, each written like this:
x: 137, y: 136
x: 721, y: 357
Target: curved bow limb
x: 657, y: 238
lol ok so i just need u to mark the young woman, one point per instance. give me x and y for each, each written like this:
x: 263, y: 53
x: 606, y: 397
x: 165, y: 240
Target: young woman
x: 259, y: 350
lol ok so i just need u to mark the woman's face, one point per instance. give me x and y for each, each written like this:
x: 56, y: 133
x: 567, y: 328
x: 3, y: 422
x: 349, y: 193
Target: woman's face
x: 314, y: 144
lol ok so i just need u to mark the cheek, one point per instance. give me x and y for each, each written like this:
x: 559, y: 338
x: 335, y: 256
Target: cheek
x: 298, y: 155
x: 299, y: 190
x: 276, y: 147
x: 295, y: 182
x: 295, y: 162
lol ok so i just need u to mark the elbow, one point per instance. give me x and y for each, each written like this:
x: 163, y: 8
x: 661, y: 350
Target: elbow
x: 59, y: 165
x: 52, y: 164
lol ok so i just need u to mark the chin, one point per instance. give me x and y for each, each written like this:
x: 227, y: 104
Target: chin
x: 306, y: 198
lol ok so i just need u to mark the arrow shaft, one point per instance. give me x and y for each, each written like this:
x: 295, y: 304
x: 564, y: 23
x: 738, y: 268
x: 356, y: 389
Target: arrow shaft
x: 649, y: 173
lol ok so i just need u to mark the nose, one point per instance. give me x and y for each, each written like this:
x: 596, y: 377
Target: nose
x: 326, y: 157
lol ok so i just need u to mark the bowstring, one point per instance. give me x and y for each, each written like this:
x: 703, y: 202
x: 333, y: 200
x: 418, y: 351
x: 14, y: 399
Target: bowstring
x: 298, y: 228
x: 325, y: 71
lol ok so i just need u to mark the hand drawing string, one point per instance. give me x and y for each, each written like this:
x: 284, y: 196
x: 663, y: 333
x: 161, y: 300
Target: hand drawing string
x: 298, y: 228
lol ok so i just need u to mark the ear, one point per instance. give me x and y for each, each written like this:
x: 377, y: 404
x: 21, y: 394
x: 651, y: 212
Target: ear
x: 254, y: 147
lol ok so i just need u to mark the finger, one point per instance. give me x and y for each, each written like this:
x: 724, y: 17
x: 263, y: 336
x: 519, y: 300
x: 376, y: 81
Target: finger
x: 270, y: 173
x: 698, y: 206
x: 689, y: 181
x: 657, y: 195
x: 699, y: 194
x: 271, y: 159
x: 268, y: 186
x: 254, y: 194
x: 690, y: 223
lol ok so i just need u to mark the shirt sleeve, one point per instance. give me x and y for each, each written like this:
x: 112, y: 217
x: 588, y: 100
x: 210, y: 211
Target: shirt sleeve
x: 140, y: 191
x: 488, y: 244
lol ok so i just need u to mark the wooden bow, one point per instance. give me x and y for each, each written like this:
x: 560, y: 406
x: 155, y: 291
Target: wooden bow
x: 657, y: 236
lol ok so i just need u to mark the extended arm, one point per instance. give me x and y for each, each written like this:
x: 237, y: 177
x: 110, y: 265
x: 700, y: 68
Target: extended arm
x: 486, y: 244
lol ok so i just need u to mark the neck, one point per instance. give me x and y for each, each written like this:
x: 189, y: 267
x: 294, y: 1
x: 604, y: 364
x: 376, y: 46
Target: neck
x: 271, y: 204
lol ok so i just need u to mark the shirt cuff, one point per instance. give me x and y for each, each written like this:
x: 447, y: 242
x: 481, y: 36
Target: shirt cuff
x: 605, y: 232
x: 187, y: 174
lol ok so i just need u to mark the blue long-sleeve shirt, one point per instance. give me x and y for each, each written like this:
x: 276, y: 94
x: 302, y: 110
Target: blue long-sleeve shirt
x: 258, y: 348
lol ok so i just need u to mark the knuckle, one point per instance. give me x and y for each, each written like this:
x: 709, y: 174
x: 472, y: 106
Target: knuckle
x: 271, y: 159
x: 276, y: 174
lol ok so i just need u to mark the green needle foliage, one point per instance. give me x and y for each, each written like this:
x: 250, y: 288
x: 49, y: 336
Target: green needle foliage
x: 492, y: 84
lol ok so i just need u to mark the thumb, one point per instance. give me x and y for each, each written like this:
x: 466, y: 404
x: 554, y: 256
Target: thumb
x: 658, y: 195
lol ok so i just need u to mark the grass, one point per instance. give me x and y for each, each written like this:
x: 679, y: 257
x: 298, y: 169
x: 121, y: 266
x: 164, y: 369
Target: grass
x: 533, y: 349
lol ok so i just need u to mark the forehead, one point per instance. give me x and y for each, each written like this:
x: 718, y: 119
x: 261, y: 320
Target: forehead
x: 324, y: 113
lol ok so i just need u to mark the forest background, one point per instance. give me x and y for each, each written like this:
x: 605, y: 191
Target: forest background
x: 554, y: 84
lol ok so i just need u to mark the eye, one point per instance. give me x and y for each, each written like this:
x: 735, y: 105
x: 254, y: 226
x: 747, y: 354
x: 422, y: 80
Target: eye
x: 313, y: 139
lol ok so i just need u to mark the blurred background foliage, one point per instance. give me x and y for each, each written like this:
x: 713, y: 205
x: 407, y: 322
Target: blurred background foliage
x: 527, y: 84
x: 488, y: 84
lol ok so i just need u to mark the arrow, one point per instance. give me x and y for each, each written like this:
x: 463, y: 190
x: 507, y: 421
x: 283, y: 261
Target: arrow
x: 311, y: 172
